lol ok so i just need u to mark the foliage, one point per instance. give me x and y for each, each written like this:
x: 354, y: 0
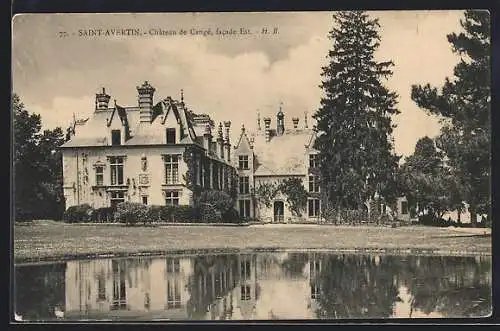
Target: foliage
x: 78, y: 214
x: 231, y: 216
x: 266, y: 192
x: 184, y: 214
x: 37, y: 166
x: 221, y: 200
x: 354, y: 120
x: 154, y: 213
x: 464, y: 104
x: 189, y: 158
x: 209, y: 213
x: 296, y: 195
x: 131, y: 212
x: 103, y: 214
x: 428, y: 183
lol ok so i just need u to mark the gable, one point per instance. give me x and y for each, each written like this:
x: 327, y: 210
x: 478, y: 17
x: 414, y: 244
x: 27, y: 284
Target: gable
x: 243, y: 145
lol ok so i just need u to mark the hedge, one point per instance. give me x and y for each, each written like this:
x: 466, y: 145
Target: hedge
x: 131, y: 212
x: 104, y: 215
x: 78, y: 214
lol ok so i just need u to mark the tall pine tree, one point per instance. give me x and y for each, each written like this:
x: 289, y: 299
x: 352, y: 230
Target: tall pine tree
x: 464, y: 104
x: 354, y: 119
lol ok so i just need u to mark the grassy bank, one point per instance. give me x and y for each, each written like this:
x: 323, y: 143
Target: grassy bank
x: 41, y: 240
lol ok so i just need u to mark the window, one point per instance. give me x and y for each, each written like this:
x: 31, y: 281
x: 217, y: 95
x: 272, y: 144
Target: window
x: 116, y: 166
x: 144, y: 200
x: 173, y: 294
x: 244, y: 207
x: 313, y: 183
x: 245, y: 269
x: 245, y: 292
x: 244, y: 185
x: 119, y: 288
x: 313, y: 207
x: 172, y: 198
x: 170, y: 136
x: 173, y: 265
x: 404, y: 207
x: 313, y: 160
x: 116, y: 137
x: 315, y: 267
x: 101, y: 287
x: 171, y: 169
x: 243, y: 161
x: 99, y: 176
x: 116, y: 198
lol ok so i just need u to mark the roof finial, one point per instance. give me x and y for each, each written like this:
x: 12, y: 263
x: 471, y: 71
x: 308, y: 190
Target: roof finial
x: 182, y: 95
x: 243, y: 128
x: 305, y: 118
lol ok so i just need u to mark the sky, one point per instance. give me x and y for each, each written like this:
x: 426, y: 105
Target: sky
x: 229, y: 77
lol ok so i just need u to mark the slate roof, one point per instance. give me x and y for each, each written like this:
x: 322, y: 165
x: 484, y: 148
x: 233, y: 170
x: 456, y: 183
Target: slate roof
x: 95, y: 131
x: 283, y: 155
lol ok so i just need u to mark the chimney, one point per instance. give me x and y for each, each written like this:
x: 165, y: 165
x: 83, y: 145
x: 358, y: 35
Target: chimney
x: 145, y: 97
x: 207, y: 138
x: 267, y: 123
x: 220, y: 144
x: 295, y: 121
x: 305, y: 120
x: 280, y: 122
x: 102, y: 100
x: 227, y: 143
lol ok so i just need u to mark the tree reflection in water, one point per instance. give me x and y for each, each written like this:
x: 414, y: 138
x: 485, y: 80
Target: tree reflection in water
x: 247, y: 286
x: 354, y: 286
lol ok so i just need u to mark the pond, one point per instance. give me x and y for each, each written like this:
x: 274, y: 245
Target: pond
x: 255, y: 286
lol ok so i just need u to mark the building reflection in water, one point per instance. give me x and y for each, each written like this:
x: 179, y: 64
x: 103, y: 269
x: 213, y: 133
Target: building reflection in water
x: 257, y: 286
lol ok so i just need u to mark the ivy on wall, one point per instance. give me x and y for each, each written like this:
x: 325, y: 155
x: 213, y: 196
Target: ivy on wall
x: 292, y: 188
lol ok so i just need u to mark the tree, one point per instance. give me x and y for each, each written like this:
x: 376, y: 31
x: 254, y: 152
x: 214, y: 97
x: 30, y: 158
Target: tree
x: 37, y: 166
x: 354, y: 119
x: 463, y: 103
x: 430, y: 185
x: 296, y: 194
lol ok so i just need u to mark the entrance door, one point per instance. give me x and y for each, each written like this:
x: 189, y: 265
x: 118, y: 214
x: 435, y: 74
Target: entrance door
x: 279, y: 208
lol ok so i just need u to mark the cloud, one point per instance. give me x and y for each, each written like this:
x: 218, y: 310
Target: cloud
x: 228, y: 78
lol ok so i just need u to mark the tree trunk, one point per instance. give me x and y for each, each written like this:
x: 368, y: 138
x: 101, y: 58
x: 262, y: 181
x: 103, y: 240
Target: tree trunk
x: 473, y: 215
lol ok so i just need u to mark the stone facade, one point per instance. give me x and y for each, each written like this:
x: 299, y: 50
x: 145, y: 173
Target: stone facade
x: 268, y: 157
x: 161, y: 154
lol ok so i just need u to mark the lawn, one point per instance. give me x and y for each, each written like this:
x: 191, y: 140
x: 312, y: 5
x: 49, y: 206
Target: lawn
x: 52, y: 240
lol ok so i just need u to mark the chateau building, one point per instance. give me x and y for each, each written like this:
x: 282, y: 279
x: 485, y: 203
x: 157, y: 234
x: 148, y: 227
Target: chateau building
x: 271, y: 155
x: 164, y: 154
x: 150, y: 153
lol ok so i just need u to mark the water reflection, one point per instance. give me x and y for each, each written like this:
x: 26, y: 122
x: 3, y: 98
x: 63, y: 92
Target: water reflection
x: 256, y: 286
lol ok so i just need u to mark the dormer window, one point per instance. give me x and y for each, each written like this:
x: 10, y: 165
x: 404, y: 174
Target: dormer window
x: 171, y: 136
x: 116, y: 137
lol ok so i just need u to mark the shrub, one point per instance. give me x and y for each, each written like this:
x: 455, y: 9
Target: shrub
x: 221, y: 200
x: 209, y: 213
x: 184, y: 214
x: 231, y: 216
x: 154, y: 213
x: 131, y: 212
x: 103, y: 214
x: 78, y: 214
